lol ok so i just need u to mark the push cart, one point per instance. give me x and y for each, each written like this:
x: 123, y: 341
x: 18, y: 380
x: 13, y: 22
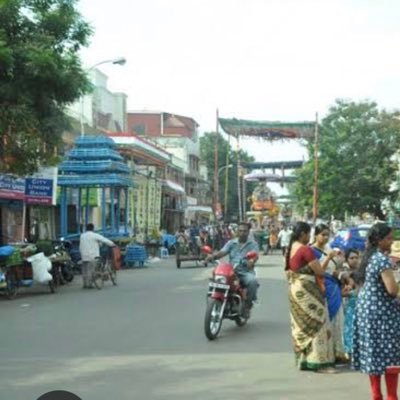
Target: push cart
x: 16, y: 272
x: 189, y: 251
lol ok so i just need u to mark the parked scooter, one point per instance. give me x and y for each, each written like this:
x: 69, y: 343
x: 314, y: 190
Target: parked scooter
x: 226, y: 297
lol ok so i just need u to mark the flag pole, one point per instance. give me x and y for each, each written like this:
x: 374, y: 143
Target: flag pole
x: 227, y: 178
x: 316, y: 171
x: 239, y: 190
x: 216, y: 183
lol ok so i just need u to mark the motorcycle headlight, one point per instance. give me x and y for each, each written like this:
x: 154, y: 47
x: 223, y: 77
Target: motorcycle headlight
x: 220, y: 279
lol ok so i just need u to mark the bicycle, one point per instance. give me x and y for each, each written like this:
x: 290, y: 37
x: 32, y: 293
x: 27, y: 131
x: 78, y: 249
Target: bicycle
x: 104, y: 271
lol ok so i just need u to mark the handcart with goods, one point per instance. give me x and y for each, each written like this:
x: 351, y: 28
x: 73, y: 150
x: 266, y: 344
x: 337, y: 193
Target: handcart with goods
x: 19, y: 267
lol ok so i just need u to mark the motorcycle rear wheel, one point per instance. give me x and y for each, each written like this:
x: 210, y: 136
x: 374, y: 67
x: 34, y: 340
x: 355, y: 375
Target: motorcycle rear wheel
x: 213, y: 319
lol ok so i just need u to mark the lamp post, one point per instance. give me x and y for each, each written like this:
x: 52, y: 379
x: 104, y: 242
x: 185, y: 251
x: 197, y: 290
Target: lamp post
x: 116, y: 61
x: 223, y: 167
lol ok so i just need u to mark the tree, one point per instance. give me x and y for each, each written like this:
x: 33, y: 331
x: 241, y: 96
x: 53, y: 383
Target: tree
x: 207, y: 146
x: 40, y: 73
x: 356, y: 164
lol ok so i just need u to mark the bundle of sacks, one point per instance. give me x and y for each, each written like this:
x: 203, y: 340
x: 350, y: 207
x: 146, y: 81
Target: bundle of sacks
x: 41, y: 265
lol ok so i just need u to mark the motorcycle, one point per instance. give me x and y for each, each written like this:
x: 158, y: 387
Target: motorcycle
x: 226, y: 297
x: 62, y: 266
x: 74, y: 254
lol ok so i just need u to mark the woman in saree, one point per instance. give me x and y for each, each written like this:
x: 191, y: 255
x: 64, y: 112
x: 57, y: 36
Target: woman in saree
x: 311, y: 336
x: 333, y: 289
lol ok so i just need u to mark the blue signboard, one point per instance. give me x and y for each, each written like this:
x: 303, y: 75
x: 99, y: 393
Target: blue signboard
x: 12, y: 188
x: 38, y: 191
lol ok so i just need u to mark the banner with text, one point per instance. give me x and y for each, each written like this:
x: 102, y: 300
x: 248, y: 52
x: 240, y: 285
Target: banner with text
x: 39, y: 188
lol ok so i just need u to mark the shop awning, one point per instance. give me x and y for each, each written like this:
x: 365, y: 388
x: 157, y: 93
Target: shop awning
x: 173, y: 186
x: 204, y: 209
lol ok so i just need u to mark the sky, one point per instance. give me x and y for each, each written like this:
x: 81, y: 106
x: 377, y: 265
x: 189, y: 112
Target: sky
x: 252, y: 59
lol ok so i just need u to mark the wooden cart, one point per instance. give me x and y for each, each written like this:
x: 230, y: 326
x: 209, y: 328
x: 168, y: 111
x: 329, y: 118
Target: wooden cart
x: 189, y: 252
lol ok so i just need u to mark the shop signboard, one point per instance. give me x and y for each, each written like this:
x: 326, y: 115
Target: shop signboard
x: 39, y: 191
x: 40, y: 188
x: 12, y: 188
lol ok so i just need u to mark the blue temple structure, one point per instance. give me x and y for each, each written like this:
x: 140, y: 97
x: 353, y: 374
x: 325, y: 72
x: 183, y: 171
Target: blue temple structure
x: 95, y: 163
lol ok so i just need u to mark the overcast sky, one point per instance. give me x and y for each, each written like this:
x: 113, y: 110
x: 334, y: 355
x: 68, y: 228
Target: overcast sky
x: 252, y: 59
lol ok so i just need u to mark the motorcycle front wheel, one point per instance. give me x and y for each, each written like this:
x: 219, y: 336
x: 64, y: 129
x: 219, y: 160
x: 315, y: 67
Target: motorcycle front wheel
x: 213, y: 319
x: 67, y: 272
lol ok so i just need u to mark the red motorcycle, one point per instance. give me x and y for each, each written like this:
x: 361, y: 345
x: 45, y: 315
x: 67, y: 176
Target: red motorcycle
x: 226, y: 298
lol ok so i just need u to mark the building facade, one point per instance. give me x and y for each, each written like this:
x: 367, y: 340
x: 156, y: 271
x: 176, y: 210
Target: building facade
x: 102, y: 110
x: 179, y: 136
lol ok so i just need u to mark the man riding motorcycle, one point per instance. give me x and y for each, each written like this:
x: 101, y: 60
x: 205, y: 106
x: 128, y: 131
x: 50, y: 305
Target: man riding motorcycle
x: 237, y: 249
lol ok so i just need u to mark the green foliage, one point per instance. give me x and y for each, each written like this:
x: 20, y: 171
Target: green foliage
x: 207, y: 146
x: 40, y: 73
x: 356, y: 166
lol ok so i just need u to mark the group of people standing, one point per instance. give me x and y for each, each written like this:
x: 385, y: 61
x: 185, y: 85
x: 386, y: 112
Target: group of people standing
x: 345, y: 311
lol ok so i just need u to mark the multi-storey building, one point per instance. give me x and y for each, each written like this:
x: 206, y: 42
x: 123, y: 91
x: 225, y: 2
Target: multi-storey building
x: 100, y: 110
x: 179, y: 136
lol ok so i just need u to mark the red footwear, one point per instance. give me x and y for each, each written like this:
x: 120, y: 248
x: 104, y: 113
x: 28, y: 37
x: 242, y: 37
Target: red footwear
x: 375, y: 381
x: 391, y: 385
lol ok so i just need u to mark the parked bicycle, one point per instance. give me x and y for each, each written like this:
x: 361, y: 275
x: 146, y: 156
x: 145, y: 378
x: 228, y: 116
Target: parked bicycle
x: 104, y: 270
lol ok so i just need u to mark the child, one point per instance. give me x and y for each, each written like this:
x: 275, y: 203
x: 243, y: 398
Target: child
x: 349, y: 293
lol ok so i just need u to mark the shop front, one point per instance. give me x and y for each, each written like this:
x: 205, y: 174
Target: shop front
x: 172, y: 206
x: 26, y: 207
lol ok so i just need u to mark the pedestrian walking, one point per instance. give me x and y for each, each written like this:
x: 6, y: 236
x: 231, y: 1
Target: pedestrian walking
x: 89, y: 247
x: 284, y: 238
x: 273, y: 239
x: 376, y: 336
x: 311, y: 336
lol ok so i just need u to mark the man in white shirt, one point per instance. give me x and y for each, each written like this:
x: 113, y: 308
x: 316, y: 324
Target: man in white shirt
x: 89, y: 247
x: 284, y: 237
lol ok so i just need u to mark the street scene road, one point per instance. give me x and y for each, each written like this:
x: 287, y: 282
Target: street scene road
x: 145, y: 340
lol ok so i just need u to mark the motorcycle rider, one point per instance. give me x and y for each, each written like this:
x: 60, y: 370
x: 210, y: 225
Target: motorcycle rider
x: 237, y: 249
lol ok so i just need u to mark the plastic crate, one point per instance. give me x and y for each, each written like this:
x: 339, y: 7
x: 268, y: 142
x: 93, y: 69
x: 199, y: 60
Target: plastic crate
x: 135, y: 254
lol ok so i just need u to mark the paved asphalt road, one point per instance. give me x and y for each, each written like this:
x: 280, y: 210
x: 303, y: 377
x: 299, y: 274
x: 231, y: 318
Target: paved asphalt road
x: 144, y: 340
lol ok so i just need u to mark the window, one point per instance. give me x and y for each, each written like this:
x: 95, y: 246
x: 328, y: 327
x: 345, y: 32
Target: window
x: 139, y: 129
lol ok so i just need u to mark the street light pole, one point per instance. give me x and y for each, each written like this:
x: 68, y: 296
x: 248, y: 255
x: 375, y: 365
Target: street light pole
x: 116, y: 61
x: 222, y: 168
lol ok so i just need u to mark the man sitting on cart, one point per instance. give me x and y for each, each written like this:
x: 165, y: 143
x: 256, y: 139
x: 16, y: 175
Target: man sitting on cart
x: 194, y: 233
x: 182, y: 240
x: 237, y: 250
